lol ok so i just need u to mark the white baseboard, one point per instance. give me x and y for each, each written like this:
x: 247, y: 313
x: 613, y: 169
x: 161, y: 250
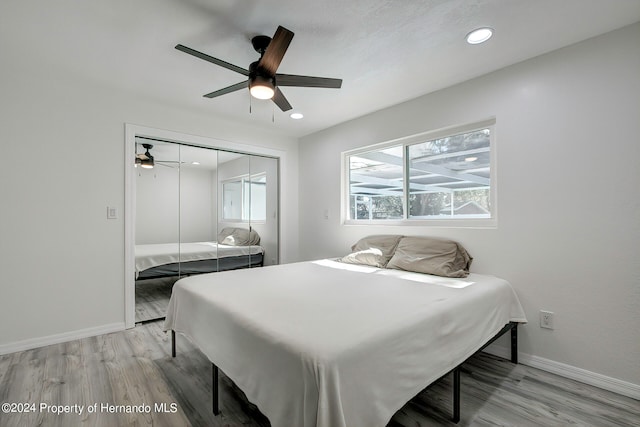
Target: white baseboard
x: 59, y: 338
x: 587, y: 377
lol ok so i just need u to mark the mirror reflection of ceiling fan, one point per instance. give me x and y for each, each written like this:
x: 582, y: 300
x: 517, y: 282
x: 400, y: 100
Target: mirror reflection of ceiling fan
x: 147, y: 161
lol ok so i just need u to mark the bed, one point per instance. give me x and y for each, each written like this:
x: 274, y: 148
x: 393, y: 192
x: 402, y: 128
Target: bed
x: 174, y: 259
x: 235, y: 248
x: 331, y: 343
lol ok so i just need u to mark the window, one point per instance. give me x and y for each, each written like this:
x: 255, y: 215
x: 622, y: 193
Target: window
x: 376, y: 190
x: 450, y: 177
x: 245, y: 198
x: 255, y: 197
x: 427, y: 177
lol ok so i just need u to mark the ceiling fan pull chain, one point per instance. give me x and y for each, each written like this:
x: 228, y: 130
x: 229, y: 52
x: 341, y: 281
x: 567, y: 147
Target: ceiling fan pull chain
x: 273, y: 114
x: 250, y: 103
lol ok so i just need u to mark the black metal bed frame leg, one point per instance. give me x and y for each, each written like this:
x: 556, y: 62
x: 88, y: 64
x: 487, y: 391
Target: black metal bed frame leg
x: 511, y: 326
x: 456, y: 395
x: 514, y: 344
x: 214, y: 375
x: 214, y: 387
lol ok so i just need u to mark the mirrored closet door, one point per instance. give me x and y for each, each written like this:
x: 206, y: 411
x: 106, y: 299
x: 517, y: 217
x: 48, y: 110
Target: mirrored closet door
x: 199, y: 210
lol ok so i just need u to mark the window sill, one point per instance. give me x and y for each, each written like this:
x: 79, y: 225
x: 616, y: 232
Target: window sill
x: 436, y: 223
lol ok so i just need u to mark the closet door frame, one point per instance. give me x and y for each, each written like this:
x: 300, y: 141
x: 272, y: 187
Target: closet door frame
x: 131, y: 131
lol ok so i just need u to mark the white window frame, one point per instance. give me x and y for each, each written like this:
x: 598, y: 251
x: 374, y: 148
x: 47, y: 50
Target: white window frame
x: 491, y: 222
x: 245, y: 211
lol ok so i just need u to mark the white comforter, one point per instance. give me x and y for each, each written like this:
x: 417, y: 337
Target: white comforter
x: 329, y: 344
x: 148, y: 256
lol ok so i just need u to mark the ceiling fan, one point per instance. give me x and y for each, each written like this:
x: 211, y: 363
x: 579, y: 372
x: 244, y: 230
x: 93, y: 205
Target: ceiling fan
x: 147, y: 161
x: 263, y: 81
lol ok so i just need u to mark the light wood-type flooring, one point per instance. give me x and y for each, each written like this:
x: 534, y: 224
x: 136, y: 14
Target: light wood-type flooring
x: 152, y: 298
x: 134, y: 368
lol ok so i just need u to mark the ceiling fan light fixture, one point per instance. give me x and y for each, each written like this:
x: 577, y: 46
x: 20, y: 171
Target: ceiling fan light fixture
x: 479, y: 35
x: 147, y: 163
x: 262, y: 88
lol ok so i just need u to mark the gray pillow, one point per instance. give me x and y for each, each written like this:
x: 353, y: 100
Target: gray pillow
x: 430, y: 255
x: 234, y: 236
x: 375, y: 251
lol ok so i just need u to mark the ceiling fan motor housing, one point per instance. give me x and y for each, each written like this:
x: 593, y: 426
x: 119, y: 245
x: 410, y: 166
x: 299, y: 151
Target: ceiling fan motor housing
x: 260, y: 75
x: 147, y: 162
x: 260, y: 43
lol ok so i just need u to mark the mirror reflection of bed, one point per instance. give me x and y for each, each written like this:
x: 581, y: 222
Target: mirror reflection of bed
x: 200, y: 210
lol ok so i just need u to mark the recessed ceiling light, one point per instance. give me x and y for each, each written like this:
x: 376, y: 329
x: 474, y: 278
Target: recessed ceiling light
x: 195, y: 163
x: 470, y: 159
x: 296, y: 116
x: 479, y: 35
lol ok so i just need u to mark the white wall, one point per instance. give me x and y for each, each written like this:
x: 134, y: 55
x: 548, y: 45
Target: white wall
x: 157, y: 205
x: 567, y: 139
x: 198, y: 195
x: 175, y: 205
x: 62, y: 260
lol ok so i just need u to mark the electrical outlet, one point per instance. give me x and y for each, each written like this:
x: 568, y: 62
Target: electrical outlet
x: 546, y: 319
x: 112, y: 213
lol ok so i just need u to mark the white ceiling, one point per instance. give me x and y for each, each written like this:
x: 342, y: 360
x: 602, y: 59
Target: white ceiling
x: 385, y: 51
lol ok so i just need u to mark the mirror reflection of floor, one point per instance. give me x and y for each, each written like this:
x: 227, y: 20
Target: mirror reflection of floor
x: 152, y: 298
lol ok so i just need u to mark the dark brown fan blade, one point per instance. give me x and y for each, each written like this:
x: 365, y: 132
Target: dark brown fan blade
x: 228, y: 89
x: 213, y: 60
x: 281, y: 101
x: 307, y: 81
x: 276, y: 50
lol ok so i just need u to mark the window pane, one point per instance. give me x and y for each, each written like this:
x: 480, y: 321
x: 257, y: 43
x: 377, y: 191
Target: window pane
x: 245, y: 199
x: 376, y: 184
x: 232, y: 200
x: 449, y: 177
x: 258, y: 198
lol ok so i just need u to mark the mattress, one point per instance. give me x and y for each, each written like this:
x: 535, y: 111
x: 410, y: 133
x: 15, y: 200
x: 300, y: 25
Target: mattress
x: 154, y: 255
x: 187, y: 268
x: 328, y: 344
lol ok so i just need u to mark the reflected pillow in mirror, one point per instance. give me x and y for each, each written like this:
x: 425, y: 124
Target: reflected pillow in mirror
x: 234, y: 236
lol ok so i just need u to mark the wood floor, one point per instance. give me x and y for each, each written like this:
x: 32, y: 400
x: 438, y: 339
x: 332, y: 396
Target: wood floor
x: 133, y: 368
x: 152, y: 298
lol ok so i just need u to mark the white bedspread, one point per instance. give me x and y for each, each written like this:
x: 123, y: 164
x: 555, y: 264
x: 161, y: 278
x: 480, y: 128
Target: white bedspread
x: 329, y: 344
x: 148, y: 256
